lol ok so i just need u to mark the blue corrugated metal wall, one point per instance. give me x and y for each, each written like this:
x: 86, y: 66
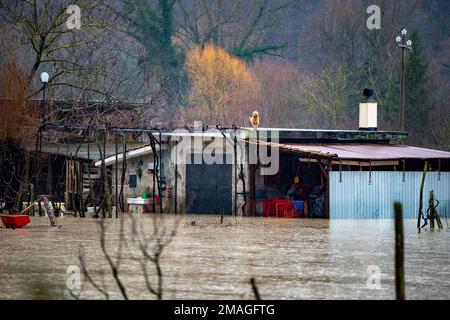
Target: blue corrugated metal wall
x: 355, y: 198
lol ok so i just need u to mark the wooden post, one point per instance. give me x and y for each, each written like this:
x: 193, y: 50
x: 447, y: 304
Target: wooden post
x: 255, y: 289
x: 420, y: 213
x: 399, y: 256
x: 433, y: 214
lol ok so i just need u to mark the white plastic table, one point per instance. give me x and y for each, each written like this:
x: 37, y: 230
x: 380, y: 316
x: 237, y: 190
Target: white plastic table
x: 136, y: 205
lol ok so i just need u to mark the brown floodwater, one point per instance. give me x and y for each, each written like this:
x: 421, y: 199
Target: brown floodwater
x: 289, y: 258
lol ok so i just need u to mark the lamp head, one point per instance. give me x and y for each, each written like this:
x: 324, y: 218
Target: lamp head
x: 44, y: 77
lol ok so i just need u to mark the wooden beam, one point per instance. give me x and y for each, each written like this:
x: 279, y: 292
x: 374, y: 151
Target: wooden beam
x: 307, y: 160
x: 358, y: 162
x: 366, y: 163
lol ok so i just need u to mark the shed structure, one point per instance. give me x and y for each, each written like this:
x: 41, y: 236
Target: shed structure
x: 363, y: 180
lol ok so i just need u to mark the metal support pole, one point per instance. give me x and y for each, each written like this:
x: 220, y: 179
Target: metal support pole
x: 176, y: 178
x: 403, y: 45
x: 105, y: 168
x: 116, y: 178
x: 402, y: 88
x: 252, y: 192
x: 44, y: 111
x: 439, y: 169
x: 154, y: 184
x: 235, y: 174
x: 122, y: 178
x: 36, y: 153
x: 404, y: 169
x: 327, y: 203
x: 152, y: 143
x: 160, y: 175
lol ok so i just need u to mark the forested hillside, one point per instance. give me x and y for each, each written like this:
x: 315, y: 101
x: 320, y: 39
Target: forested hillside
x: 300, y: 63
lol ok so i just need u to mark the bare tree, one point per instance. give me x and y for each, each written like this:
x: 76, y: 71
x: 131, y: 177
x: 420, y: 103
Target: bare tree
x: 17, y: 129
x: 143, y: 241
x: 239, y: 26
x: 327, y: 95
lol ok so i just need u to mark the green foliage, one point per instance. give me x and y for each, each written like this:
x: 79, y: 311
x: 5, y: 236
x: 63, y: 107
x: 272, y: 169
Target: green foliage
x: 152, y: 24
x: 153, y: 27
x: 250, y: 53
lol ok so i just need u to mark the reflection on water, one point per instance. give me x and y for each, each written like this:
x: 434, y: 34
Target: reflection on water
x: 290, y: 259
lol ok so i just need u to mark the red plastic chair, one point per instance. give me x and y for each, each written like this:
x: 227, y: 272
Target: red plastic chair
x: 283, y: 208
x: 267, y: 207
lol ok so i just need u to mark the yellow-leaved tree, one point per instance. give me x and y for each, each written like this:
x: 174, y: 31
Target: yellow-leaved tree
x: 223, y: 89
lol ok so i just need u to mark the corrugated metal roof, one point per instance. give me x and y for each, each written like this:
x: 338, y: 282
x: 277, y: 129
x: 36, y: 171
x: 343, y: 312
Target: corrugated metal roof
x: 365, y: 151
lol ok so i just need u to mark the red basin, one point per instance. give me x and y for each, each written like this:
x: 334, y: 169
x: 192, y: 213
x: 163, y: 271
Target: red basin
x: 15, y: 220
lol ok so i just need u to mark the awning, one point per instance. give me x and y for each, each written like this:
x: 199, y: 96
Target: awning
x: 135, y: 153
x: 81, y: 150
x: 363, y: 151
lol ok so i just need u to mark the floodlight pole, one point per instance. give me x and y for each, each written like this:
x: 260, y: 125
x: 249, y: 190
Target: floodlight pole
x: 403, y: 44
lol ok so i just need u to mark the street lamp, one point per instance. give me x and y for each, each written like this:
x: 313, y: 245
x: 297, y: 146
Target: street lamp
x: 403, y: 45
x: 44, y: 77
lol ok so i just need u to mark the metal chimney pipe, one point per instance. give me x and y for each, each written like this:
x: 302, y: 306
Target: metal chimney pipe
x: 368, y: 112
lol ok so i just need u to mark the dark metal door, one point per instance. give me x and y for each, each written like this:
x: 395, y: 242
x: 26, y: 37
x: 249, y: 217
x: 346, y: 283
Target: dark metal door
x: 208, y: 188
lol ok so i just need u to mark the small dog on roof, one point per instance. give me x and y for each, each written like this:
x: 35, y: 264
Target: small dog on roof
x: 254, y: 120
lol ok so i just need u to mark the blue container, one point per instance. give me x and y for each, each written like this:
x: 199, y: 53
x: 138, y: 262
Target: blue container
x: 297, y: 205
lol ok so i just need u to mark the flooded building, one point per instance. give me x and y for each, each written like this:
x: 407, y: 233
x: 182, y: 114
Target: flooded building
x: 356, y: 177
x: 328, y: 173
x: 273, y: 172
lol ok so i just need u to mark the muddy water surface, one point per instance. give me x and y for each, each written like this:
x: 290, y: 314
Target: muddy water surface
x: 290, y: 259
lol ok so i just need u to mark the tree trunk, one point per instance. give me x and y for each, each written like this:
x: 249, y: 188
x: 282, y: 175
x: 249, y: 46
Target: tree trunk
x: 24, y: 183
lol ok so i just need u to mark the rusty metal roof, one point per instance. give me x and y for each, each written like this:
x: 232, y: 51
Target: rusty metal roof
x: 365, y: 151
